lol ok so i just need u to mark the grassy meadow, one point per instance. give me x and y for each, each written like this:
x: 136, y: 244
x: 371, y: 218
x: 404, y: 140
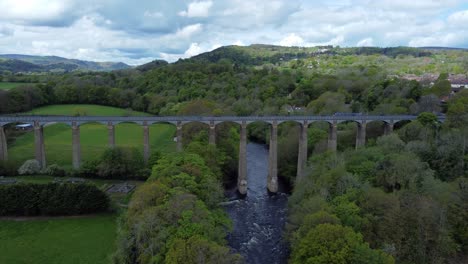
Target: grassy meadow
x: 84, y: 109
x: 11, y: 85
x: 58, y: 137
x: 87, y: 239
x: 72, y: 240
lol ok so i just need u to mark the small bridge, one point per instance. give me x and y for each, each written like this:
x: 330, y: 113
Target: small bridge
x: 38, y: 123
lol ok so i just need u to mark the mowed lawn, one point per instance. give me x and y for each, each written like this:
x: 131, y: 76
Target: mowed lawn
x: 88, y: 239
x: 94, y: 137
x: 11, y: 85
x: 84, y: 109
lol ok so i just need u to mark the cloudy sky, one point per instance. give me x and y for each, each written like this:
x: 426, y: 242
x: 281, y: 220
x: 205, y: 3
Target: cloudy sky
x: 139, y: 31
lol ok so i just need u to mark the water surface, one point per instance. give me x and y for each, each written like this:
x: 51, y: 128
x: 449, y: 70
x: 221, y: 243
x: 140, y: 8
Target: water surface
x: 259, y: 218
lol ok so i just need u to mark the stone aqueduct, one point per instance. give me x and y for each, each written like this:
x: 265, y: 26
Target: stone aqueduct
x: 38, y: 123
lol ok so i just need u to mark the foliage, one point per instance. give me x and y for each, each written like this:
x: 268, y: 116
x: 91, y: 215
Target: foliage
x: 328, y: 103
x: 391, y: 195
x: 400, y: 192
x: 328, y: 243
x: 259, y: 79
x: 426, y: 118
x: 199, y: 250
x: 8, y: 168
x: 30, y: 167
x: 189, y: 171
x: 51, y: 199
x: 55, y: 170
x: 119, y: 163
x: 182, y: 196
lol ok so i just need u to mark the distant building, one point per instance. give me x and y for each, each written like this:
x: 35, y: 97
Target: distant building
x: 291, y: 109
x: 458, y: 82
x: 24, y: 127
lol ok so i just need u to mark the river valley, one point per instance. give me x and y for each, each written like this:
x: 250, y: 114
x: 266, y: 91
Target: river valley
x: 259, y: 218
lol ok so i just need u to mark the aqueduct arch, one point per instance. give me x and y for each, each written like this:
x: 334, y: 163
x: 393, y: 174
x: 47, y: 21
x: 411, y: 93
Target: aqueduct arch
x: 304, y: 121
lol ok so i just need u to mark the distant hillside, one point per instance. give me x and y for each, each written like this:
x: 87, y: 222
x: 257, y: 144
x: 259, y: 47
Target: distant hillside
x: 259, y: 54
x: 441, y: 48
x: 152, y: 65
x: 25, y: 63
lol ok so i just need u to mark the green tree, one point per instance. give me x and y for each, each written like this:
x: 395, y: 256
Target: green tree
x: 328, y: 103
x: 198, y: 250
x: 189, y: 171
x: 427, y: 119
x: 329, y: 243
x: 441, y: 88
x: 119, y: 162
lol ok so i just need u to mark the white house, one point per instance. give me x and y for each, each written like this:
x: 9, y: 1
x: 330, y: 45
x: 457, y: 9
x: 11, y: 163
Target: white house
x: 24, y: 127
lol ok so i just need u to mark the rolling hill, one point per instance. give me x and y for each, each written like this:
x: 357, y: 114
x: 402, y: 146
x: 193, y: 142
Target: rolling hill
x: 16, y: 63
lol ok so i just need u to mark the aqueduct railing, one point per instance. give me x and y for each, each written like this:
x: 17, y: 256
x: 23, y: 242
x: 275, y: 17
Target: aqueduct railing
x: 38, y: 123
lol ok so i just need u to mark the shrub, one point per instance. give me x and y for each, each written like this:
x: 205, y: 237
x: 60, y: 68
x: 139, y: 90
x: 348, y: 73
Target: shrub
x: 55, y: 170
x: 121, y: 163
x: 51, y: 199
x: 8, y: 168
x: 89, y: 169
x: 30, y: 167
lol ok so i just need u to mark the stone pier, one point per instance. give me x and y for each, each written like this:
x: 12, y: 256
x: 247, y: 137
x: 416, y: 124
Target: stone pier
x: 146, y: 143
x: 302, y: 151
x: 332, y: 136
x: 3, y: 145
x: 272, y: 183
x: 179, y: 137
x: 388, y: 128
x: 361, y: 134
x: 111, y: 134
x: 211, y: 121
x: 242, y: 176
x: 212, y: 134
x: 39, y: 144
x: 76, y: 146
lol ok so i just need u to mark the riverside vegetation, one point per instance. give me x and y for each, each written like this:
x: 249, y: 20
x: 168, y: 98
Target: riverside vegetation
x: 402, y: 198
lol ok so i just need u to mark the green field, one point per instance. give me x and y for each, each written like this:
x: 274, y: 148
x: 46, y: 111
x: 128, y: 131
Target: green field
x: 79, y: 240
x: 84, y: 109
x: 11, y: 85
x: 72, y: 240
x: 58, y: 137
x: 43, y: 179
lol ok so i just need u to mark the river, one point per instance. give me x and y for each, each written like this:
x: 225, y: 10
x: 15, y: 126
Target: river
x: 260, y: 217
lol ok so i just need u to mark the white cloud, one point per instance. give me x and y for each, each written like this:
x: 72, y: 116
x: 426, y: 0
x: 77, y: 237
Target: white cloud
x: 155, y: 14
x: 292, y: 40
x: 367, y: 42
x: 413, y: 5
x: 197, y: 9
x: 39, y: 12
x: 119, y: 30
x: 33, y: 9
x: 239, y: 43
x: 459, y: 18
x: 440, y: 40
x: 193, y: 50
x: 188, y: 31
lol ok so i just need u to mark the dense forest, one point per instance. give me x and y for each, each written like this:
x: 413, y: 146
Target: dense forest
x: 405, y: 194
x: 403, y: 198
x: 229, y: 85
